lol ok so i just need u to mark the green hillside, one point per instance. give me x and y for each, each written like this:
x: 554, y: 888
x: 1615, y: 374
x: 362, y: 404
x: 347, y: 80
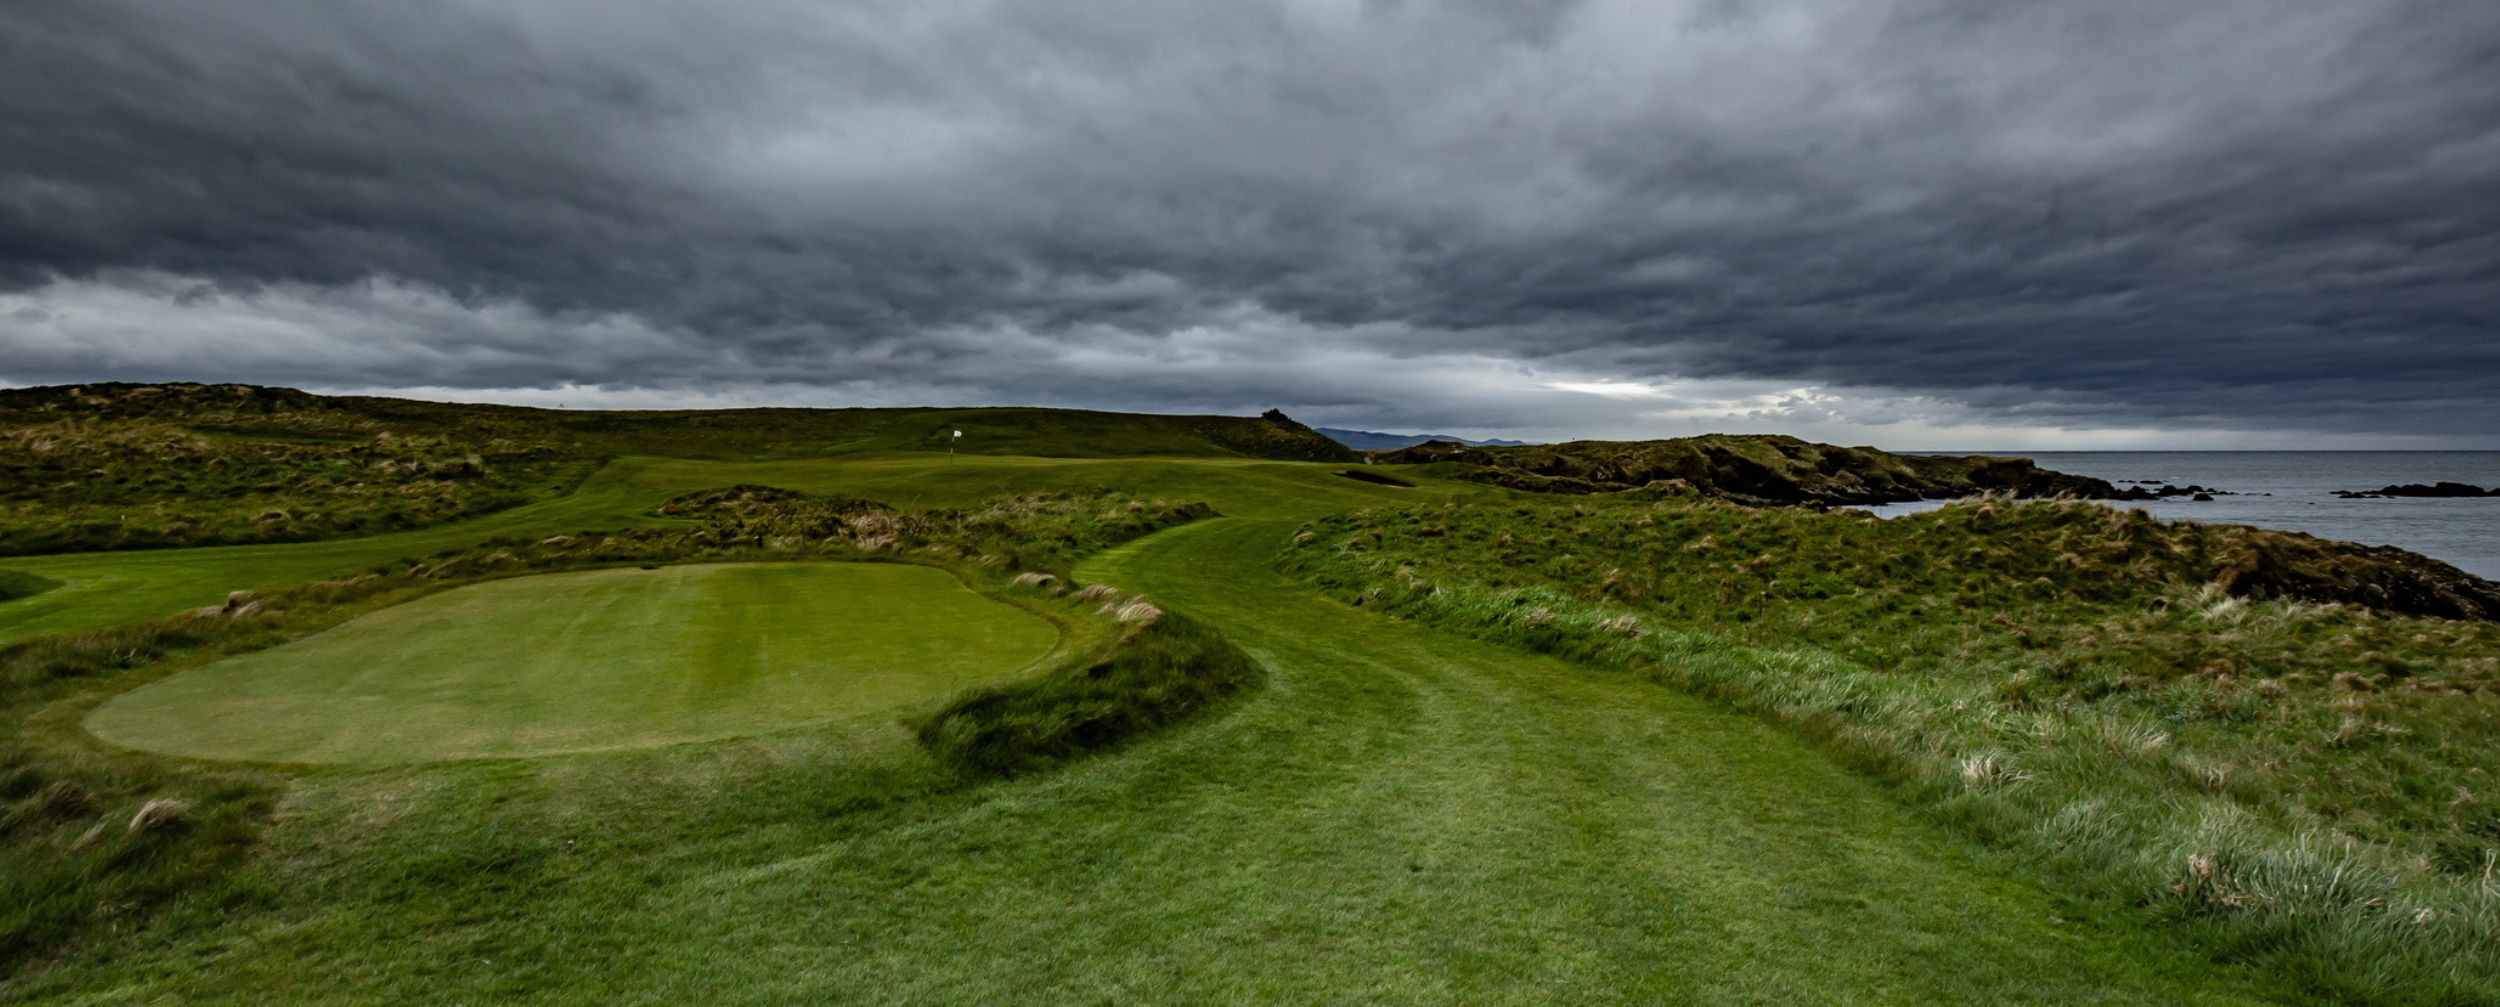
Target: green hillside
x: 117, y: 466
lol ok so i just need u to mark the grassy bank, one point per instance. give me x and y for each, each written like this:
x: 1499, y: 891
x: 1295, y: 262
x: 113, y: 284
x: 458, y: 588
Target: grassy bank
x: 1159, y: 670
x: 2307, y: 785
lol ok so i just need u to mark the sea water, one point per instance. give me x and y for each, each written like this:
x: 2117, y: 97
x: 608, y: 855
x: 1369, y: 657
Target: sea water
x: 2295, y: 491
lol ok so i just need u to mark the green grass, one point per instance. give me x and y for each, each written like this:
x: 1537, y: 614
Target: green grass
x: 2305, y: 785
x: 1416, y: 818
x: 114, y: 588
x: 581, y: 661
x: 1397, y: 813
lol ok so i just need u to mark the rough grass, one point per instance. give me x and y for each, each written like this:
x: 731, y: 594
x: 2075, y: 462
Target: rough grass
x: 68, y: 485
x: 71, y: 857
x: 1028, y: 531
x: 2306, y: 785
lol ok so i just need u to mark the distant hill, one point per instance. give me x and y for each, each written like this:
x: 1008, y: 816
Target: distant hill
x: 1367, y: 440
x: 263, y: 414
x: 130, y: 466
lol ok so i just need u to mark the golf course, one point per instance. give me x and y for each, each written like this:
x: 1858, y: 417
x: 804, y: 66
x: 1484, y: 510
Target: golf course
x: 834, y: 723
x: 583, y: 661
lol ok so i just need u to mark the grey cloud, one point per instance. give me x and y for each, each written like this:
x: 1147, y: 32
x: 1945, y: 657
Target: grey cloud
x: 2245, y: 214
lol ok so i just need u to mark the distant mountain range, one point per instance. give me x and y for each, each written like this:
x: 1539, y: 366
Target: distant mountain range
x: 1367, y: 440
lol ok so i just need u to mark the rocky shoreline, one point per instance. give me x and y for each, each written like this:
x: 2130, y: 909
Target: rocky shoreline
x: 2433, y: 490
x: 2136, y: 491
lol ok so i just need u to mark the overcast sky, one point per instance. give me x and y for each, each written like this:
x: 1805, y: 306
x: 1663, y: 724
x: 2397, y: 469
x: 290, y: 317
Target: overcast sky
x: 1925, y: 223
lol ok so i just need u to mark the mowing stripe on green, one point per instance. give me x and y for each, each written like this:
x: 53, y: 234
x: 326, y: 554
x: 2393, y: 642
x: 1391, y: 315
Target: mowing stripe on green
x: 582, y: 661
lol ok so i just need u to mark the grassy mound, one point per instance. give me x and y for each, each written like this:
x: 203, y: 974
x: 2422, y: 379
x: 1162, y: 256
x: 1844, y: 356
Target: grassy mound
x: 1758, y: 469
x: 1160, y: 670
x: 2309, y: 782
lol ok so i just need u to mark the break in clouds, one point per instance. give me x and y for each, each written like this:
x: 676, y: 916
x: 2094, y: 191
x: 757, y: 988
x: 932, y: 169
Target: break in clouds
x: 1919, y: 223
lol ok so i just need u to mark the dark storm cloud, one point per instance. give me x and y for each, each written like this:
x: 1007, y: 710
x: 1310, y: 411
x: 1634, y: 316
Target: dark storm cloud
x: 2244, y: 214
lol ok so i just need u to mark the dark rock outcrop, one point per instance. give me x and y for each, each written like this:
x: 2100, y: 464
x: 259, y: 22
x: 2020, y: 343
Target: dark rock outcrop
x: 2439, y: 489
x: 2166, y: 491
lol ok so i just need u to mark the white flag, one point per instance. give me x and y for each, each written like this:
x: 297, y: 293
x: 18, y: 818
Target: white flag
x: 959, y: 433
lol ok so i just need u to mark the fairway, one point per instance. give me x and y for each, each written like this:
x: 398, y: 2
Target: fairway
x: 583, y: 661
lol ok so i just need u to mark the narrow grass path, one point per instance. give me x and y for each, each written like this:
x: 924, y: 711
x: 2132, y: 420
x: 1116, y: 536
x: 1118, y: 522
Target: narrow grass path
x: 1491, y: 826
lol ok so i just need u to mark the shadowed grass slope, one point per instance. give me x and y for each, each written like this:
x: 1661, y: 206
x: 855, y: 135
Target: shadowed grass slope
x: 16, y: 584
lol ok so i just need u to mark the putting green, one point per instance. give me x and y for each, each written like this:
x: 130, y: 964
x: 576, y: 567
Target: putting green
x: 582, y: 661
